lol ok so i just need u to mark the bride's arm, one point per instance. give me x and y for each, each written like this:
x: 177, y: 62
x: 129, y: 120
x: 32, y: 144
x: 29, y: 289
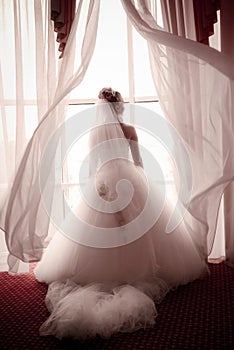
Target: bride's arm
x: 93, y: 162
x: 136, y: 153
x: 134, y: 146
x: 93, y: 155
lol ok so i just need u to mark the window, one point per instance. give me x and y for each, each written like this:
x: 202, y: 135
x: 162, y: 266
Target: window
x: 120, y: 59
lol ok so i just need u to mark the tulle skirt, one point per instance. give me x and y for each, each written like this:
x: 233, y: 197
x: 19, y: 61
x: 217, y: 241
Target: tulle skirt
x: 104, y: 290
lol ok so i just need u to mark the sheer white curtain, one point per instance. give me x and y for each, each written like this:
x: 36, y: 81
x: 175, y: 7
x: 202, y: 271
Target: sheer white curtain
x: 195, y: 87
x: 179, y: 18
x: 24, y: 218
x: 28, y: 51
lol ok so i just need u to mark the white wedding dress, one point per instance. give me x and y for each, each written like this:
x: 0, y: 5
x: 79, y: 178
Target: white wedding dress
x: 104, y: 288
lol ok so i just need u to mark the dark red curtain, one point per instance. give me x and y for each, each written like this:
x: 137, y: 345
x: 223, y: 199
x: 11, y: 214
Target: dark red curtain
x: 62, y: 13
x: 205, y: 12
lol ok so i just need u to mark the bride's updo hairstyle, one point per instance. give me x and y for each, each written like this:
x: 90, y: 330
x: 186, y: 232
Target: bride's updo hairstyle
x: 114, y: 97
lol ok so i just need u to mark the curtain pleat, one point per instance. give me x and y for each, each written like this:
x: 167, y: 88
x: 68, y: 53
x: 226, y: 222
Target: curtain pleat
x: 178, y: 18
x: 46, y: 72
x: 6, y: 159
x: 20, y: 120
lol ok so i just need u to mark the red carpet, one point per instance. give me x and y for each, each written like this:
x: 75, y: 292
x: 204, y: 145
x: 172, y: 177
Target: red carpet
x: 197, y: 316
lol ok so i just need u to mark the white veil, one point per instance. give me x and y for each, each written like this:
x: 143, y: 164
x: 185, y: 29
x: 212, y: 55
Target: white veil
x: 106, y: 141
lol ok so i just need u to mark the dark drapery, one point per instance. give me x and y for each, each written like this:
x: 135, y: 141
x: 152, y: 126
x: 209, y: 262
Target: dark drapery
x: 205, y: 16
x: 62, y: 13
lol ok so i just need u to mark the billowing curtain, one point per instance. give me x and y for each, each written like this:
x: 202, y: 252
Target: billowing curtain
x: 195, y: 87
x: 195, y: 20
x: 27, y: 51
x: 24, y: 217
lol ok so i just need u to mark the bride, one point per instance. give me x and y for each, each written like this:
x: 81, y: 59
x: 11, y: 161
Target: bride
x: 111, y: 260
